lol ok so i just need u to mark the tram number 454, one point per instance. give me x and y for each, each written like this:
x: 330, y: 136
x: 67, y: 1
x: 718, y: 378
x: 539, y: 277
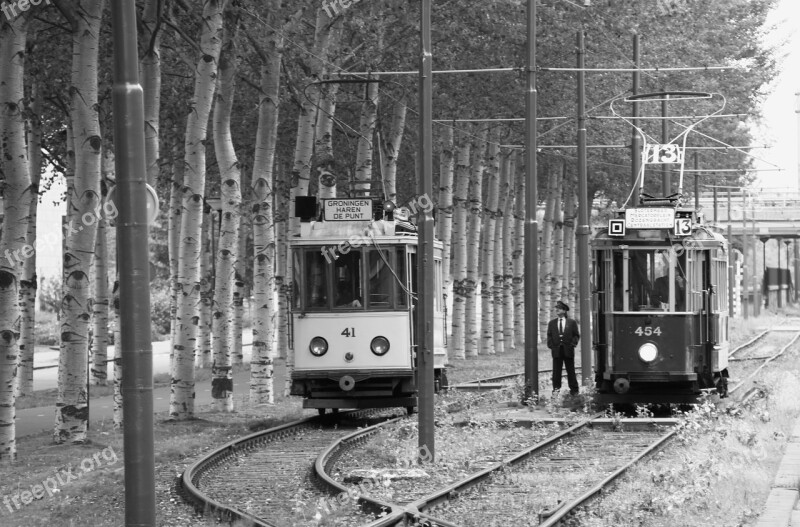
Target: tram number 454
x: 647, y: 331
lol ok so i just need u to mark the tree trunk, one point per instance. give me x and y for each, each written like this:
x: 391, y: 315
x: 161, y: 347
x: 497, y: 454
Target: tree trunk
x: 118, y: 416
x: 228, y: 248
x: 182, y: 393
x: 558, y: 243
x: 460, y: 205
x: 17, y: 196
x: 546, y: 255
x: 508, y: 255
x: 390, y: 149
x: 518, y: 281
x: 445, y: 205
x: 29, y: 282
x: 150, y: 67
x: 323, y: 146
x: 282, y: 282
x: 366, y: 134
x: 569, y: 239
x: 100, y: 313
x: 204, y: 357
x: 262, y: 390
x: 487, y: 247
x: 499, y: 263
x: 173, y: 238
x: 473, y: 242
x: 83, y: 205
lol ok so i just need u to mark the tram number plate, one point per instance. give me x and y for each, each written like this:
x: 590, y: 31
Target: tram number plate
x: 647, y: 331
x: 349, y: 332
x: 683, y: 226
x: 663, y: 154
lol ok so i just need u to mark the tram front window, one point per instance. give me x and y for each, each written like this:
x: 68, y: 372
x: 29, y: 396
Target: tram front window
x: 380, y: 279
x: 316, y: 291
x: 347, y: 283
x: 641, y: 280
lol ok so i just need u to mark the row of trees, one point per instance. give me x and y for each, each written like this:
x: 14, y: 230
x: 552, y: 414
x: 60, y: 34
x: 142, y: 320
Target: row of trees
x: 250, y: 79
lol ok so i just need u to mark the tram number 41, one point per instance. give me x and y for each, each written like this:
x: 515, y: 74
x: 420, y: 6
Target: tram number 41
x: 349, y: 332
x: 647, y: 331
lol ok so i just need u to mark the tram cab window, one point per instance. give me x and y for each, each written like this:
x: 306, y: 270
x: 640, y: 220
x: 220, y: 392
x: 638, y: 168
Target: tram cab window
x: 648, y: 280
x: 347, y: 284
x: 316, y: 290
x: 380, y: 280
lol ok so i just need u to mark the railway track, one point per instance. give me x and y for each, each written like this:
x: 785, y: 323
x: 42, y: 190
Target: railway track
x: 265, y: 478
x: 589, y: 455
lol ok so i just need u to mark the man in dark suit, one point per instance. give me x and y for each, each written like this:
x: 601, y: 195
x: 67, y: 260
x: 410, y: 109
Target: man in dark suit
x: 562, y: 337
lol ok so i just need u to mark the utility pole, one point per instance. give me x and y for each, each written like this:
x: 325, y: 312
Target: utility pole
x: 666, y: 179
x: 134, y: 271
x: 531, y: 223
x: 427, y: 285
x: 583, y: 229
x: 636, y: 141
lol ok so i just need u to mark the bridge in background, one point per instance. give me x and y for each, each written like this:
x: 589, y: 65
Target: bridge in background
x: 767, y: 214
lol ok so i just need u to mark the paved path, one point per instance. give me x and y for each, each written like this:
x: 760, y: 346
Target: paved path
x: 35, y: 420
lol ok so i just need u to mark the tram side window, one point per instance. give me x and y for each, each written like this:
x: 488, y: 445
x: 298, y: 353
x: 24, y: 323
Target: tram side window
x: 400, y: 269
x: 316, y: 288
x: 381, y: 279
x: 347, y: 283
x: 619, y: 287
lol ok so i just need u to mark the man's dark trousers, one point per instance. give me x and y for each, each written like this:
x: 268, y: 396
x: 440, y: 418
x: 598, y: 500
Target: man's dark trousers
x: 569, y: 364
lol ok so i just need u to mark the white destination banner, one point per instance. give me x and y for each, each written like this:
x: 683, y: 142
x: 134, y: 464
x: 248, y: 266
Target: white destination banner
x: 347, y: 209
x: 650, y: 218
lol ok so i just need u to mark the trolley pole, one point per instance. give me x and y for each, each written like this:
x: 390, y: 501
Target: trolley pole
x: 731, y: 274
x: 666, y: 174
x: 134, y: 271
x: 425, y: 272
x: 636, y: 141
x: 531, y: 224
x: 583, y: 230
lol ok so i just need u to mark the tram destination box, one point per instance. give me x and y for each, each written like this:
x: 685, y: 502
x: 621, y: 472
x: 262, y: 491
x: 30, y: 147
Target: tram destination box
x: 649, y: 218
x: 347, y: 209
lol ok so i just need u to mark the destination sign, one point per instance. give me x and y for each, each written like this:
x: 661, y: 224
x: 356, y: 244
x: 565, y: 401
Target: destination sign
x: 347, y: 209
x: 650, y: 218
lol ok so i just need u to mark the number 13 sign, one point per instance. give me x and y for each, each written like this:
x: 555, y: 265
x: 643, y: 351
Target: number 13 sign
x: 662, y: 154
x: 683, y: 226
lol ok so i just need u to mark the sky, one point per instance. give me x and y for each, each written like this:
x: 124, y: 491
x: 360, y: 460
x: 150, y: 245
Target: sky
x: 780, y: 118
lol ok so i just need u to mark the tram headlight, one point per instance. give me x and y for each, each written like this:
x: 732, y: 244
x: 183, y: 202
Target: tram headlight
x: 648, y: 352
x: 379, y: 346
x: 318, y: 346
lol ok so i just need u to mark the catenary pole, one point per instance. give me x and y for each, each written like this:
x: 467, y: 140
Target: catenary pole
x: 583, y: 229
x: 531, y: 223
x: 134, y: 270
x: 636, y: 140
x: 427, y: 285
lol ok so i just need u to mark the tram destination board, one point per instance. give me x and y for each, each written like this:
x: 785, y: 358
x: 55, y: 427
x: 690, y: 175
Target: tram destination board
x: 347, y: 209
x: 650, y: 218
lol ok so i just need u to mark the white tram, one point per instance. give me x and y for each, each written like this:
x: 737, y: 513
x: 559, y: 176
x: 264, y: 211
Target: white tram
x: 353, y: 317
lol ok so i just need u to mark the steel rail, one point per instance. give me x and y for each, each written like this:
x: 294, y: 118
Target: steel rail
x: 568, y: 507
x: 206, y: 504
x: 770, y: 359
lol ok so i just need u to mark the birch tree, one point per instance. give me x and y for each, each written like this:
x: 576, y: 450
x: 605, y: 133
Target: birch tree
x: 366, y: 133
x: 228, y: 246
x: 558, y: 240
x: 445, y: 205
x: 518, y: 280
x: 568, y: 281
x: 323, y: 144
x: 100, y: 307
x: 182, y: 392
x: 205, y: 356
x: 473, y: 242
x: 389, y: 144
x: 460, y: 205
x: 17, y: 195
x: 509, y: 239
x: 83, y: 202
x: 150, y: 67
x: 262, y: 390
x: 546, y: 255
x: 498, y: 239
x: 28, y: 283
x: 487, y: 246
